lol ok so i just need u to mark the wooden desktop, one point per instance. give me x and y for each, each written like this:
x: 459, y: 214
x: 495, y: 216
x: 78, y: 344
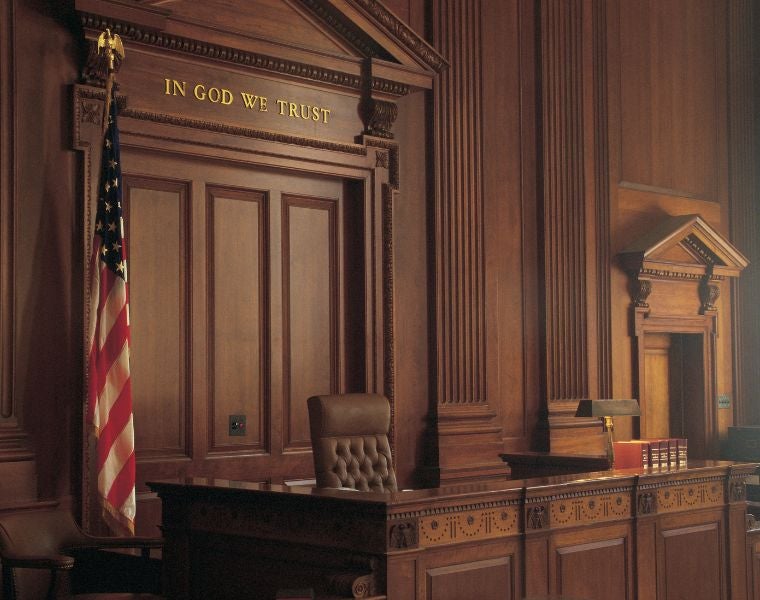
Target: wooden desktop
x: 620, y: 534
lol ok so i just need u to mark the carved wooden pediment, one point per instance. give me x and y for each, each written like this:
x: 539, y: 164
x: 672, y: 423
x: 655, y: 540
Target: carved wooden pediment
x: 338, y: 42
x: 683, y: 247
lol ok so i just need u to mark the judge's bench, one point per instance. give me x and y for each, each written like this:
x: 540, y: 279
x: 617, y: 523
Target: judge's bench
x: 609, y: 535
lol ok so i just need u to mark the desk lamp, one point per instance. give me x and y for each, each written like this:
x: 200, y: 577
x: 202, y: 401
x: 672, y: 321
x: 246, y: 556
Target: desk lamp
x: 606, y: 409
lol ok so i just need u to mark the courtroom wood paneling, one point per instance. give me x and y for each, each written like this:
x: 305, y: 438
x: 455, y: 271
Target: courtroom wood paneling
x: 595, y: 570
x: 692, y: 562
x: 238, y: 318
x: 671, y: 51
x: 157, y: 216
x: 574, y: 217
x: 491, y: 579
x: 510, y: 237
x: 744, y: 150
x: 668, y: 93
x: 311, y: 304
x: 464, y: 405
x: 657, y: 348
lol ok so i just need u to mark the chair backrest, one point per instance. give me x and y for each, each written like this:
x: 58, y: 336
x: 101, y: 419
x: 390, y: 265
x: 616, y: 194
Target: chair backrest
x: 349, y: 439
x: 34, y: 533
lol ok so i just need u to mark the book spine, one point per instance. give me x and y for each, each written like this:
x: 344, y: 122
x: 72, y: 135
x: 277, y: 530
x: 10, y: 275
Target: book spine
x: 673, y: 452
x: 645, y: 460
x: 682, y: 451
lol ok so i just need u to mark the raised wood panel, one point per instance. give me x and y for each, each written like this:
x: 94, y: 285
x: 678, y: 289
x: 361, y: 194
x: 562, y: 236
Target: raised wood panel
x: 491, y: 579
x: 594, y: 571
x: 670, y: 96
x: 156, y: 217
x: 310, y: 301
x: 238, y: 315
x: 657, y: 366
x: 510, y: 226
x: 692, y: 563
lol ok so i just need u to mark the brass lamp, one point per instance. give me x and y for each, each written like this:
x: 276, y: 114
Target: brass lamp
x: 606, y: 409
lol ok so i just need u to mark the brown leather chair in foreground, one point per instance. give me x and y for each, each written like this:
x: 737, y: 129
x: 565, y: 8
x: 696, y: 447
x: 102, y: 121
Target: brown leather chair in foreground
x: 45, y: 555
x: 349, y: 438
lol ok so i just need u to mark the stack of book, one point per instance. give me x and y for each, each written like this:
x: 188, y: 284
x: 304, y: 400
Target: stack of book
x: 657, y: 453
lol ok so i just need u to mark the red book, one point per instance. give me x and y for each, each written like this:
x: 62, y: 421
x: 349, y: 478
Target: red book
x: 632, y: 454
x: 658, y: 452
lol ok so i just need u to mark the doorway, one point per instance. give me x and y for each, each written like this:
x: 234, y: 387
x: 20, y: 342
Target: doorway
x: 674, y: 390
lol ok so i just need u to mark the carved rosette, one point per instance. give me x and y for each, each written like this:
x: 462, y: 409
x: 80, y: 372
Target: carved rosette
x: 378, y: 117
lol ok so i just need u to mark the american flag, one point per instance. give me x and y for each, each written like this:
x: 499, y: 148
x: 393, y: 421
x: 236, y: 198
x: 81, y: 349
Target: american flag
x: 109, y: 407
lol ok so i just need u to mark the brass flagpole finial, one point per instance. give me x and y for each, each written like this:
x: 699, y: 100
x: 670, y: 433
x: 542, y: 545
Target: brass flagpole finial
x: 110, y: 45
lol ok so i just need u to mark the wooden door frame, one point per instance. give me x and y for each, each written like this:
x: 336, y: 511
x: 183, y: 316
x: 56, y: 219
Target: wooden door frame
x: 704, y: 325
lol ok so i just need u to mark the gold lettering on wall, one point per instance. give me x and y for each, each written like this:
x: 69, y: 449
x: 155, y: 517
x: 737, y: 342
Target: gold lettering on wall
x: 288, y: 108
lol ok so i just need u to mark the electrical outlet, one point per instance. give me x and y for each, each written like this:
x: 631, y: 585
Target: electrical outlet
x: 237, y: 425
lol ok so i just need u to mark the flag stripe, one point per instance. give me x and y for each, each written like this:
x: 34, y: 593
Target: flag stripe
x: 118, y: 418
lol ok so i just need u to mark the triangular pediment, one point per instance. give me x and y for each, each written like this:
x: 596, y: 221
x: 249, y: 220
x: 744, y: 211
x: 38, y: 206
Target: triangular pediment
x: 340, y: 36
x: 684, y: 244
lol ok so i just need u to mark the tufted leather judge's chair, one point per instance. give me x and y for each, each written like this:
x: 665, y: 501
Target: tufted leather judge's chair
x: 45, y: 555
x: 349, y: 438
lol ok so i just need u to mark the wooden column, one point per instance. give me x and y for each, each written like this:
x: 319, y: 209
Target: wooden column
x: 744, y: 202
x: 575, y: 213
x: 468, y: 434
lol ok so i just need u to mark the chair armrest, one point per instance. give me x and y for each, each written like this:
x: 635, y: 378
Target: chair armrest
x: 48, y: 561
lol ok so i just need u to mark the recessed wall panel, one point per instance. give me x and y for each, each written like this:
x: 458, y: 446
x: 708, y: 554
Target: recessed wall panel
x: 237, y: 321
x: 310, y: 297
x: 156, y: 218
x: 669, y: 96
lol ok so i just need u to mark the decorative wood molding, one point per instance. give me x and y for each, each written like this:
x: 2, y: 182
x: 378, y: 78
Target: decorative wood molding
x: 389, y: 358
x: 594, y: 509
x: 378, y: 117
x: 403, y: 534
x: 14, y: 442
x: 712, y: 255
x: 468, y: 526
x: 403, y: 33
x: 602, y: 201
x: 165, y: 41
x: 744, y: 194
x: 564, y: 210
x: 536, y: 517
x: 459, y: 237
x: 646, y: 503
x: 145, y: 27
x: 7, y: 200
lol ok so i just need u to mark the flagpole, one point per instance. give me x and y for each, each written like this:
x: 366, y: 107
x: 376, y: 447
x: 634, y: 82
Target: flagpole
x: 110, y: 45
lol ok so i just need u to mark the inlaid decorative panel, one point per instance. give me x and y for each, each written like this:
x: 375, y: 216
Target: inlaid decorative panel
x: 469, y: 525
